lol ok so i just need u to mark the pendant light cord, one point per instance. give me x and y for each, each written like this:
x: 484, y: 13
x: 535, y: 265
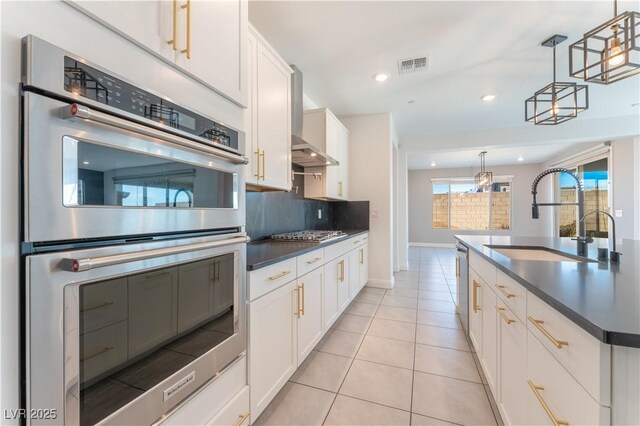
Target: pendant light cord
x: 554, y: 62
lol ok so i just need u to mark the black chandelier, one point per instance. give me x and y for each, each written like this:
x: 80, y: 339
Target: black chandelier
x: 557, y: 102
x: 609, y: 52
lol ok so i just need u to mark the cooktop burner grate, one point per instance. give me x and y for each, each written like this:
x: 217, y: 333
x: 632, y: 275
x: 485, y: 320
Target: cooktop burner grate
x: 308, y: 236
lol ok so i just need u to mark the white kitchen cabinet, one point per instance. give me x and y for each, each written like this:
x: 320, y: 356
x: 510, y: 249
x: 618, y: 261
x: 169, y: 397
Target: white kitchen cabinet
x: 273, y: 347
x: 207, y: 39
x: 330, y: 298
x: 343, y: 283
x: 309, y: 317
x: 153, y: 303
x: 489, y: 358
x: 475, y: 311
x: 195, y: 294
x: 353, y: 262
x: 323, y: 129
x: 364, y: 264
x: 224, y: 276
x: 512, y: 354
x: 268, y: 118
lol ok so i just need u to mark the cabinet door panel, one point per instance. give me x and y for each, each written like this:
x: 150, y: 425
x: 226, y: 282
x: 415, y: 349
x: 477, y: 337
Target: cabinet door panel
x: 195, y: 293
x: 343, y: 283
x: 344, y: 164
x: 251, y: 114
x: 310, y: 318
x: 364, y: 265
x: 354, y: 273
x: 475, y: 311
x: 513, y: 368
x: 330, y: 298
x: 218, y: 46
x: 272, y: 345
x: 489, y: 336
x: 274, y: 120
x: 153, y: 316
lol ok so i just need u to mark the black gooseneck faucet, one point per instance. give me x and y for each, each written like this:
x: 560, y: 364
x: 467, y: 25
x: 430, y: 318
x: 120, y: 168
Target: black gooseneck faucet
x: 614, y: 256
x: 581, y: 239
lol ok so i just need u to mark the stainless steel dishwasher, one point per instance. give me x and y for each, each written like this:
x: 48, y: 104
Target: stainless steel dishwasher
x: 462, y: 278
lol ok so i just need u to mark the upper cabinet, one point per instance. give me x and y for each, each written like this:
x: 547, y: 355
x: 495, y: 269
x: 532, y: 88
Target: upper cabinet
x: 207, y: 39
x: 322, y: 129
x: 268, y: 118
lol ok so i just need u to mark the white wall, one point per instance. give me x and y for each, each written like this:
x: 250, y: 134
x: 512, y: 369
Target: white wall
x: 403, y: 210
x: 420, y: 194
x: 370, y: 178
x: 65, y: 27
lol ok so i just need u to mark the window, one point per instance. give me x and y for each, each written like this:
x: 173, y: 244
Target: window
x: 459, y: 204
x: 594, y: 174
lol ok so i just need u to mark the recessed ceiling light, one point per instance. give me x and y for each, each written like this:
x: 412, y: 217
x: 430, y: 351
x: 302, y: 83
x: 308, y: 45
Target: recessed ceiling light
x: 328, y: 162
x: 488, y: 98
x: 520, y: 158
x: 411, y: 102
x: 86, y: 163
x: 380, y: 77
x: 635, y: 104
x: 433, y: 164
x: 313, y: 154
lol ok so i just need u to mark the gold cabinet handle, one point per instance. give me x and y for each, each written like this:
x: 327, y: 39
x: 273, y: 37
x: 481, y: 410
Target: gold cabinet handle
x: 362, y: 256
x: 504, y: 316
x: 557, y: 343
x: 536, y: 391
x: 503, y: 290
x: 356, y: 242
x: 280, y: 275
x: 298, y: 311
x: 341, y: 275
x: 99, y: 306
x: 340, y: 188
x: 475, y: 305
x: 242, y: 418
x: 301, y: 300
x: 257, y: 174
x: 314, y: 260
x: 174, y: 26
x: 103, y: 351
x: 264, y: 168
x: 457, y: 266
x: 187, y: 6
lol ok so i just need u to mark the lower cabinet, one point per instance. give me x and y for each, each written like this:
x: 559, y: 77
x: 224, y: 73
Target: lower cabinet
x: 512, y: 354
x: 343, y: 283
x: 273, y: 346
x: 364, y: 264
x: 489, y: 357
x: 309, y: 312
x: 331, y: 283
x: 475, y: 311
x: 355, y: 272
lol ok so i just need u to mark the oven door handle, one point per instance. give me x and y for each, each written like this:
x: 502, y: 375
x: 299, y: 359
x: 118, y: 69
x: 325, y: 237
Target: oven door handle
x: 88, y: 263
x: 75, y: 111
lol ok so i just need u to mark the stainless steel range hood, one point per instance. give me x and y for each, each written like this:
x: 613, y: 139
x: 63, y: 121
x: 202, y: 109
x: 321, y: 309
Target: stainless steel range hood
x: 302, y: 152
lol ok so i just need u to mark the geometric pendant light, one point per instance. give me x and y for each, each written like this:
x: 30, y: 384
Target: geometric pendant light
x: 483, y: 179
x: 609, y: 52
x: 557, y: 102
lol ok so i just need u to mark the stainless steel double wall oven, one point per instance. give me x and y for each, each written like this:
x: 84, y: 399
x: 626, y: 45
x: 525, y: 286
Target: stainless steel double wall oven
x: 134, y: 244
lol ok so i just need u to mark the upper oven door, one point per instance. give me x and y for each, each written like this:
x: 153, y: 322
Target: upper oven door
x: 97, y: 175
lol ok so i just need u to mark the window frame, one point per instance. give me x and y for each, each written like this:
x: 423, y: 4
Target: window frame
x: 453, y: 180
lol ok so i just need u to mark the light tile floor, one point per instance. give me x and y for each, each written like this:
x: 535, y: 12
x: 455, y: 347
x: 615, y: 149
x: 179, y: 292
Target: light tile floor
x: 395, y: 357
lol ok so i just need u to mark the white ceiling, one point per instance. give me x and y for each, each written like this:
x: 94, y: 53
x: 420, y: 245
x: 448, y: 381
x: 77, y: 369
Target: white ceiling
x: 474, y: 48
x: 531, y: 154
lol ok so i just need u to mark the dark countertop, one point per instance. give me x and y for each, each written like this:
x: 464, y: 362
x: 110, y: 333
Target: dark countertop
x: 601, y: 297
x: 266, y: 252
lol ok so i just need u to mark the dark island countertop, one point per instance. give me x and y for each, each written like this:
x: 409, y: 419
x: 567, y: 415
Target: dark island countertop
x: 601, y: 297
x: 261, y: 253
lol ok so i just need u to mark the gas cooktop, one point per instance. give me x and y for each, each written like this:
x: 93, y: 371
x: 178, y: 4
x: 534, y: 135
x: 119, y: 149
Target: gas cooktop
x: 309, y: 236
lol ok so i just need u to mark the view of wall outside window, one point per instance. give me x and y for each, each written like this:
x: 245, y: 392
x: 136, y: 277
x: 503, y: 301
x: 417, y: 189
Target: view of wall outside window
x: 458, y: 204
x: 595, y: 178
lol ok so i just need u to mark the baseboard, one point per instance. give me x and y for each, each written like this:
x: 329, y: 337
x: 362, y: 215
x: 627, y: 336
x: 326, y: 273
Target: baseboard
x: 404, y: 266
x: 386, y: 284
x: 434, y: 245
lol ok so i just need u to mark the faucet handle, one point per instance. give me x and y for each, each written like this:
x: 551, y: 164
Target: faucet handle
x: 586, y: 239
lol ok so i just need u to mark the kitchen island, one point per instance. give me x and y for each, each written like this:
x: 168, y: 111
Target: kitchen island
x: 557, y: 335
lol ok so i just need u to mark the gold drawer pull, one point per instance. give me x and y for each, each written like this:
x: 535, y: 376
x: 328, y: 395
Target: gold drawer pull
x: 362, y: 256
x: 538, y: 323
x: 302, y: 288
x: 187, y: 6
x: 93, y: 308
x: 503, y: 290
x: 536, y: 391
x: 174, y: 40
x: 280, y: 275
x: 504, y: 316
x: 314, y: 260
x: 103, y: 351
x: 341, y: 275
x: 242, y: 418
x: 356, y: 242
x: 475, y: 305
x: 257, y: 174
x: 457, y: 266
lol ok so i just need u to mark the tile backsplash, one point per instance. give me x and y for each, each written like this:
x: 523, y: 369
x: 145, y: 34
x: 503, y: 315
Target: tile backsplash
x: 276, y: 212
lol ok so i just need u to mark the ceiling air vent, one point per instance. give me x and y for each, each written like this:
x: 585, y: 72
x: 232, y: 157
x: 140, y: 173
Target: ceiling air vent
x: 407, y: 66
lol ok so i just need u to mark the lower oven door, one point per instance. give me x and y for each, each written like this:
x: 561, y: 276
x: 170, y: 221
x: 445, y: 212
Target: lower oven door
x: 121, y: 335
x: 129, y: 179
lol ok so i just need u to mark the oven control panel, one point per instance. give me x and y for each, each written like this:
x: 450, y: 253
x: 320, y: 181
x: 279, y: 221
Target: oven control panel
x: 83, y: 80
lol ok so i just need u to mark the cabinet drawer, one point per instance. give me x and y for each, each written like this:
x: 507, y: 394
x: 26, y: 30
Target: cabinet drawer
x: 310, y: 261
x: 586, y: 358
x: 338, y: 249
x: 269, y: 278
x: 204, y: 406
x: 103, y: 304
x: 485, y: 269
x: 512, y: 294
x: 358, y: 241
x: 235, y: 412
x: 554, y: 393
x: 103, y: 349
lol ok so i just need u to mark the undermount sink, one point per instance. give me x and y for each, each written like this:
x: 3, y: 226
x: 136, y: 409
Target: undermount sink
x: 536, y: 253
